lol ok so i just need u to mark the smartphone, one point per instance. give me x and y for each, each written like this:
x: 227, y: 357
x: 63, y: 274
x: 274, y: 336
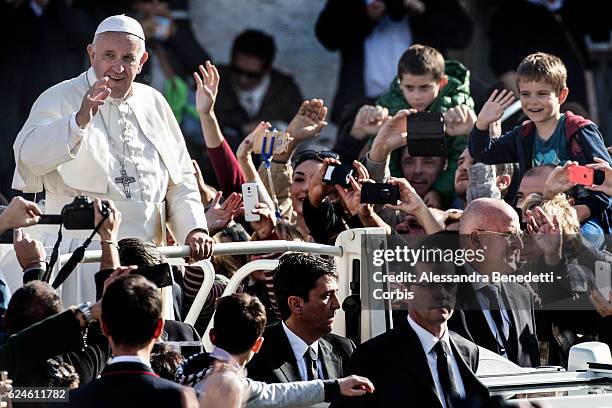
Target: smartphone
x: 603, y: 278
x: 250, y: 197
x: 585, y: 175
x: 271, y: 142
x: 379, y: 193
x: 338, y: 174
x: 160, y: 275
x: 425, y: 135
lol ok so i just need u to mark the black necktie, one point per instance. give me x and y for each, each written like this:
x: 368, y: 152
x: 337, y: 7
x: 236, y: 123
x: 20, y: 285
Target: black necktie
x: 445, y: 374
x: 492, y: 295
x: 311, y: 364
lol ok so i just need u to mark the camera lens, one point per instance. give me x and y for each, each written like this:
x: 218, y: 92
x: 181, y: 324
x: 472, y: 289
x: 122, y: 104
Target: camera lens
x: 385, y: 193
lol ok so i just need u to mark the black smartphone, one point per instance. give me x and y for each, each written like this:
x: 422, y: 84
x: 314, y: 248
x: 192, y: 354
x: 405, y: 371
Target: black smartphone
x: 379, y: 193
x: 338, y: 175
x: 425, y: 135
x: 160, y: 275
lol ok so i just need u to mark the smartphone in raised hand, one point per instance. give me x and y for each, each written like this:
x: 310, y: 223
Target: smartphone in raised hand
x: 425, y: 134
x: 585, y: 175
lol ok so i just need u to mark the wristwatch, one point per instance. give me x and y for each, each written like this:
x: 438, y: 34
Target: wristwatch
x: 85, y: 308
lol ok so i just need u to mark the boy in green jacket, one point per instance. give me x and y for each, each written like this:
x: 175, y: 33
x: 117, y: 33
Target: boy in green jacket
x: 426, y: 82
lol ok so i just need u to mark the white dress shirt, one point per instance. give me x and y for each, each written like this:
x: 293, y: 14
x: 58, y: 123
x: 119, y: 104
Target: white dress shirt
x: 130, y: 359
x: 428, y: 341
x: 382, y: 50
x: 299, y: 348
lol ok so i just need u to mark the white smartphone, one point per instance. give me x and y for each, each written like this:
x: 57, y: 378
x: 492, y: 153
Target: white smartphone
x: 603, y: 278
x: 250, y: 198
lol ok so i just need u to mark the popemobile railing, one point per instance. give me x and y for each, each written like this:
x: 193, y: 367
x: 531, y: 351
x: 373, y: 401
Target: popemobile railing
x: 347, y: 253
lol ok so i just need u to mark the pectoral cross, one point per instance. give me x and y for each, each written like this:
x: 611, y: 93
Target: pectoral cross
x: 125, y: 180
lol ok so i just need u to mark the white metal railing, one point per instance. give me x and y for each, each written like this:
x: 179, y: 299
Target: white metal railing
x: 232, y: 287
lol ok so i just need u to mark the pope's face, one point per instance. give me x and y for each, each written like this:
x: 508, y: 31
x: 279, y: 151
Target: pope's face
x: 118, y: 56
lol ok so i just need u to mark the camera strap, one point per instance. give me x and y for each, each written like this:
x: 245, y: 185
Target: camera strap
x: 267, y: 158
x: 77, y: 256
x: 47, y: 276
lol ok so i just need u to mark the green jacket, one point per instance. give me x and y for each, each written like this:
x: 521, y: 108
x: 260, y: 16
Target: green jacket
x: 456, y: 92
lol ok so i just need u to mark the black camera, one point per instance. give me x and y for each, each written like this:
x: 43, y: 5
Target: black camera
x: 379, y: 193
x: 77, y: 215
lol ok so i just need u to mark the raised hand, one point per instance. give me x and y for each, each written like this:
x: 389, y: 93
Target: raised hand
x: 411, y: 202
x: 207, y: 87
x: 309, y: 120
x: 494, y: 108
x: 19, y: 213
x: 317, y: 189
x: 29, y: 252
x: 368, y: 121
x: 267, y: 220
x: 606, y: 186
x: 246, y: 146
x: 459, y: 120
x: 546, y: 234
x: 219, y: 216
x: 391, y: 136
x: 558, y: 181
x: 93, y: 99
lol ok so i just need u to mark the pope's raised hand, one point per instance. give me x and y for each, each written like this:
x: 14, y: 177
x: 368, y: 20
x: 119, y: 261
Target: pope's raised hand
x: 93, y: 99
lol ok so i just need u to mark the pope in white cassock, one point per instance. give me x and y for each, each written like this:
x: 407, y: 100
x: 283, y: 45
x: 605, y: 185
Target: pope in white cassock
x: 103, y: 135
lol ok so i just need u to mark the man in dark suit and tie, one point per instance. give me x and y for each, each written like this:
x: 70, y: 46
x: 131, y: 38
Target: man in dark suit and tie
x: 301, y: 346
x: 496, y: 315
x: 420, y: 363
x: 132, y: 321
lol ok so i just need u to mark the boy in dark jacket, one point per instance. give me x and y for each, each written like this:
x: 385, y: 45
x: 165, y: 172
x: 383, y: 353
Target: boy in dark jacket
x: 548, y: 137
x: 426, y: 82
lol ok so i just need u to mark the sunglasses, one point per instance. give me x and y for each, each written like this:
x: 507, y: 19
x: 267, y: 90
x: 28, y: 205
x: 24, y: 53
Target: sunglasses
x: 509, y: 236
x: 312, y: 155
x: 248, y: 74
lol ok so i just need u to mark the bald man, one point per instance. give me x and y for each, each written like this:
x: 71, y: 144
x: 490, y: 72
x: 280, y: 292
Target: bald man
x: 499, y: 317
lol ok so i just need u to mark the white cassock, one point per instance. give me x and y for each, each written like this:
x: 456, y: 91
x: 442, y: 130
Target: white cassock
x: 138, y: 134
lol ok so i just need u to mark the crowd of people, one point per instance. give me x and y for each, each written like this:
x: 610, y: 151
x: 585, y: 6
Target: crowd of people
x: 166, y: 162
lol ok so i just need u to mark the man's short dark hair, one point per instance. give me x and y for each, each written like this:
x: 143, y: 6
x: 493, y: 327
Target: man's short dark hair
x: 135, y: 251
x: 421, y: 60
x: 255, y: 43
x: 131, y: 309
x: 30, y: 304
x: 296, y: 275
x: 239, y: 321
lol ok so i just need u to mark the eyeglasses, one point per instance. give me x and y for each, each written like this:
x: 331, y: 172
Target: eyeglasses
x: 510, y: 235
x: 249, y: 74
x: 313, y: 155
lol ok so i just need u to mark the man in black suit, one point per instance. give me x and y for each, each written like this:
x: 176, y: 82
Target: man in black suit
x: 132, y: 321
x: 497, y: 316
x: 420, y: 362
x: 302, y: 347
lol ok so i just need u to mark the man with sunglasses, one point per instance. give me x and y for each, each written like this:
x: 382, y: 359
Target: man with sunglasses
x: 497, y: 316
x: 421, y: 362
x: 253, y: 90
